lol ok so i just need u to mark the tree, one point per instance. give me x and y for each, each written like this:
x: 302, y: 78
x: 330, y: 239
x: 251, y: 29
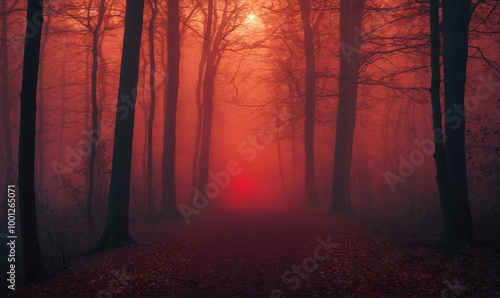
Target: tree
x: 217, y: 45
x: 199, y: 103
x: 150, y: 169
x: 169, y: 206
x: 456, y: 17
x: 93, y: 17
x: 298, y: 67
x: 34, y: 269
x: 310, y: 99
x: 449, y: 153
x: 439, y: 152
x: 351, y: 13
x: 96, y: 35
x: 116, y: 232
x: 39, y: 160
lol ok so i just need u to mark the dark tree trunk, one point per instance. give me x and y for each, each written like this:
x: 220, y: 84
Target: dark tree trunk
x: 152, y: 107
x: 199, y: 103
x: 116, y: 232
x: 169, y: 206
x: 91, y: 169
x: 145, y: 144
x: 9, y: 168
x: 197, y: 140
x: 439, y: 153
x: 455, y: 29
x: 88, y: 69
x: 94, y: 137
x: 208, y: 111
x: 39, y: 161
x: 310, y: 102
x: 213, y: 59
x: 351, y: 13
x: 34, y: 269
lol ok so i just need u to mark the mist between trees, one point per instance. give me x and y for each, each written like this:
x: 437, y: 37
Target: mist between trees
x: 146, y: 111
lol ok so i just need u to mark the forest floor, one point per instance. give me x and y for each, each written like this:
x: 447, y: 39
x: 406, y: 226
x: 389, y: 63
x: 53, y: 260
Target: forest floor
x: 273, y: 254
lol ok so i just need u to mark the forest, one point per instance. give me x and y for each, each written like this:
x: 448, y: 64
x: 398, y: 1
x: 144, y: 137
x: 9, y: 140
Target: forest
x: 245, y: 148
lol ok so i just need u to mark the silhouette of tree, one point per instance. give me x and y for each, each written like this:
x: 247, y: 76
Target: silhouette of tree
x: 34, y: 269
x: 116, y: 232
x: 351, y: 14
x: 169, y: 206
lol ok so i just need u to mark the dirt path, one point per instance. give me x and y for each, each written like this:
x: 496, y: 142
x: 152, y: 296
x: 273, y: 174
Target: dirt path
x: 268, y: 254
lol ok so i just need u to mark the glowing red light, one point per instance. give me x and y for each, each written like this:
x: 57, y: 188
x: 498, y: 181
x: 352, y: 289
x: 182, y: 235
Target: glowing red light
x: 242, y: 185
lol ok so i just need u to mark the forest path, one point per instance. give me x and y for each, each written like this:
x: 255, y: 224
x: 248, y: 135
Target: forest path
x: 247, y: 254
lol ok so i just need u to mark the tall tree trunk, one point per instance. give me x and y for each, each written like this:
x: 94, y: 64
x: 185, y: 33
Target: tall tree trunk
x: 212, y: 47
x: 213, y: 59
x: 88, y: 70
x: 169, y: 206
x: 116, y: 232
x: 9, y: 168
x: 439, y: 154
x: 40, y: 165
x: 208, y: 110
x: 455, y: 29
x: 351, y: 13
x: 197, y: 140
x: 208, y: 102
x: 152, y: 65
x: 34, y: 269
x: 199, y: 103
x: 100, y: 172
x: 94, y: 138
x: 310, y: 102
x: 145, y: 144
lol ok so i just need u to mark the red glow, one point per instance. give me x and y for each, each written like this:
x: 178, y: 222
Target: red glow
x: 242, y: 185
